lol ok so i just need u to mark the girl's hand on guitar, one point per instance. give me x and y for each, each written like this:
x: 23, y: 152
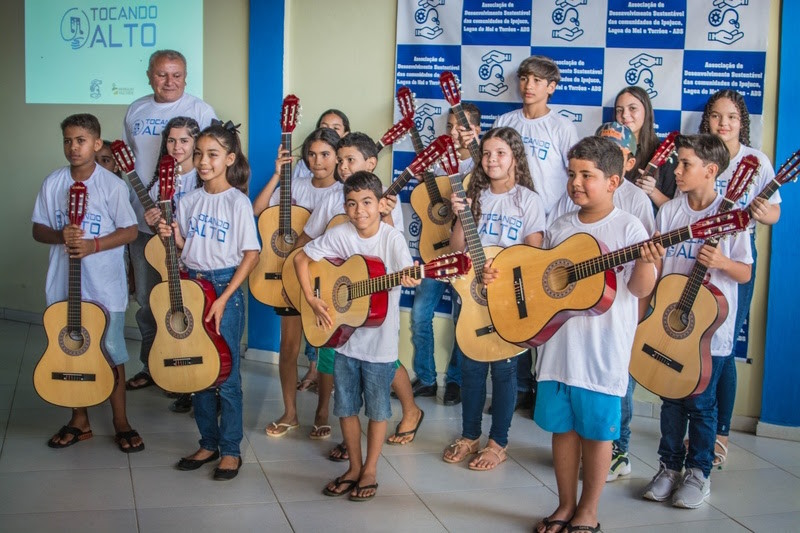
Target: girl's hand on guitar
x: 489, y: 274
x: 759, y: 209
x: 165, y: 231
x: 458, y: 204
x: 646, y: 183
x: 320, y: 309
x: 152, y: 216
x: 409, y: 282
x: 284, y: 158
x: 712, y: 257
x: 215, y: 312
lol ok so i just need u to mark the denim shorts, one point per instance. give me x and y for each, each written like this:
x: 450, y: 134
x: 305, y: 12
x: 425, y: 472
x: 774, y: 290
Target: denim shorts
x: 115, y: 338
x: 561, y: 408
x: 362, y: 383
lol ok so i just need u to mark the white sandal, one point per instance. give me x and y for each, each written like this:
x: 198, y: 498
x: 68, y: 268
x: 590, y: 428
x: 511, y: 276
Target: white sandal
x: 720, y: 457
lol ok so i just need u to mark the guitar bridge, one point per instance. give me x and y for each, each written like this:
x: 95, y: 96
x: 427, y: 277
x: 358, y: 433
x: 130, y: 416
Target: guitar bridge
x: 272, y: 276
x: 441, y: 244
x: 663, y: 358
x: 72, y: 376
x: 184, y: 361
x: 487, y: 330
x: 519, y: 293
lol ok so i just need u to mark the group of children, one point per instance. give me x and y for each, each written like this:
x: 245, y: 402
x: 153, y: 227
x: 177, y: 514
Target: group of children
x: 542, y: 196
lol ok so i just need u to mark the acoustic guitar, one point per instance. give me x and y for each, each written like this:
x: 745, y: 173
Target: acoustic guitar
x: 279, y: 226
x: 788, y: 172
x: 538, y: 290
x: 356, y: 292
x: 452, y: 93
x: 671, y: 352
x: 188, y: 355
x: 75, y: 370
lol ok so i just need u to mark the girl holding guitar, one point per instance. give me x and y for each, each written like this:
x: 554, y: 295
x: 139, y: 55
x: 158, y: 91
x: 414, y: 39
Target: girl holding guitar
x: 217, y: 234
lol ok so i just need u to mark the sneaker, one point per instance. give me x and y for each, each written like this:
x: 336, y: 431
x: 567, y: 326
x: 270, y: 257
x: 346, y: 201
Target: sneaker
x: 693, y: 489
x: 620, y: 465
x: 452, y: 394
x: 661, y: 486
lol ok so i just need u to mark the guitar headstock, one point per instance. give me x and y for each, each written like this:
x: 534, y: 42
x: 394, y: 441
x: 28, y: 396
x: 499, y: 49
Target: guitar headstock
x: 449, y: 158
x: 290, y: 113
x: 720, y: 224
x: 397, y: 131
x: 166, y: 178
x: 789, y: 170
x: 76, y: 205
x: 431, y: 154
x: 450, y: 87
x: 742, y: 178
x: 405, y: 102
x: 123, y: 156
x: 448, y: 266
x: 664, y: 150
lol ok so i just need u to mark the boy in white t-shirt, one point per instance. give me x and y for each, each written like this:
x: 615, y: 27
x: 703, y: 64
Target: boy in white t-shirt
x: 108, y: 226
x: 701, y: 158
x: 583, y: 369
x: 365, y: 365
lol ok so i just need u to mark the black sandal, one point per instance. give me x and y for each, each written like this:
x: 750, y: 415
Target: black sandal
x: 349, y: 483
x: 148, y: 380
x: 595, y: 529
x: 77, y: 436
x: 343, y: 455
x: 128, y: 437
x: 412, y: 433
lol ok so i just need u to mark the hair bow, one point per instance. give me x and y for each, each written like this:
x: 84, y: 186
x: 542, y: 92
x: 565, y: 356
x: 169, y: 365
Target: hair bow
x: 229, y: 125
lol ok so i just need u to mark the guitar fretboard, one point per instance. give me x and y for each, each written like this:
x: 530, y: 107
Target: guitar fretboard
x: 474, y: 149
x: 140, y: 190
x: 285, y: 205
x: 74, y: 296
x: 173, y: 271
x: 369, y: 286
x: 474, y: 246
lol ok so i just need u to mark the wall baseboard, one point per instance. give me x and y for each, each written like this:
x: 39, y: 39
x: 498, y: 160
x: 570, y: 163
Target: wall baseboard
x: 263, y: 356
x: 775, y: 431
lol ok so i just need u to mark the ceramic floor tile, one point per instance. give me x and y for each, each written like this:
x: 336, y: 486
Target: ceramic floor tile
x: 778, y: 452
x: 65, y: 490
x: 122, y: 521
x: 794, y: 470
x: 46, y: 421
x: 165, y: 449
x: 755, y: 492
x: 433, y: 436
x: 6, y: 396
x: 293, y: 446
x: 704, y: 526
x: 30, y: 454
x: 772, y: 523
x: 214, y: 518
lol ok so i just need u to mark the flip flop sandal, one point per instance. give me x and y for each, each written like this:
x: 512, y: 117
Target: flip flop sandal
x: 343, y: 455
x: 550, y: 522
x: 281, y: 429
x: 316, y: 432
x: 721, y: 456
x: 350, y: 483
x: 148, y: 380
x: 595, y: 529
x: 471, y: 447
x: 412, y: 433
x: 359, y: 488
x: 77, y: 436
x: 500, y: 454
x: 128, y: 437
x: 306, y: 384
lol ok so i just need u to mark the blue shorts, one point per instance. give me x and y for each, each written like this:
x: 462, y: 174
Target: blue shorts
x: 562, y: 408
x: 115, y: 338
x: 362, y: 383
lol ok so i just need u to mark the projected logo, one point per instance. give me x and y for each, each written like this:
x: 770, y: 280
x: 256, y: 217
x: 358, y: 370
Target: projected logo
x: 75, y: 27
x: 94, y: 89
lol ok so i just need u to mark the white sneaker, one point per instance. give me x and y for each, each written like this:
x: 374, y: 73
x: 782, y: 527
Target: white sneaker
x: 620, y: 465
x: 662, y: 485
x: 694, y: 488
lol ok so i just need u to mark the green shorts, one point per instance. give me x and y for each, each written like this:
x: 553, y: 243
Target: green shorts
x: 326, y: 357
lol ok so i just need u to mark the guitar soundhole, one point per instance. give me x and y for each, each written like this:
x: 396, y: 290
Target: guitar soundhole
x: 478, y: 292
x: 282, y: 244
x: 74, y: 342
x: 180, y: 323
x: 676, y: 323
x: 340, y: 290
x: 440, y: 213
x: 555, y: 280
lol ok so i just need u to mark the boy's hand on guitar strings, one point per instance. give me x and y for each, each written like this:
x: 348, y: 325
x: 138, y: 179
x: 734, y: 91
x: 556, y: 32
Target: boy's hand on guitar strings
x: 76, y: 246
x: 152, y: 216
x: 391, y: 201
x: 165, y: 231
x: 712, y: 257
x: 320, y: 309
x: 215, y: 312
x: 489, y: 274
x: 284, y: 158
x: 409, y: 282
x: 650, y: 252
x: 759, y: 208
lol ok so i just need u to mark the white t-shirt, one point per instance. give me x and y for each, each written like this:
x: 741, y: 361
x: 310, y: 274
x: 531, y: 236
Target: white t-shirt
x: 547, y: 141
x: 681, y: 259
x: 593, y: 352
x: 380, y: 344
x: 142, y: 129
x: 627, y: 197
x: 762, y: 178
x: 184, y: 183
x: 103, y: 277
x: 507, y: 218
x: 332, y: 205
x: 218, y: 229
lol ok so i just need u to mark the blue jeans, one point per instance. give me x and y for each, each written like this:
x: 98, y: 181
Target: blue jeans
x: 473, y: 397
x: 525, y: 381
x: 426, y: 296
x: 700, y: 413
x: 145, y: 278
x: 310, y: 352
x: 622, y: 443
x: 225, y: 435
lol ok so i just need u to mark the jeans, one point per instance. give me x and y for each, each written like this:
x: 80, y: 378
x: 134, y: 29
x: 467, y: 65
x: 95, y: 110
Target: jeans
x: 726, y: 394
x: 310, y: 352
x: 473, y: 397
x: 622, y: 443
x: 700, y: 412
x: 145, y: 278
x: 525, y: 381
x: 426, y: 296
x: 225, y: 435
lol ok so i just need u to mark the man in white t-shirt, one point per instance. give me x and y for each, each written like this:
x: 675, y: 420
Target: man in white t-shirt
x: 142, y: 131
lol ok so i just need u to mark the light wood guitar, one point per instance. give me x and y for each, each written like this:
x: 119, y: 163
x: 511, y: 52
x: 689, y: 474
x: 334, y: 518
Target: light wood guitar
x: 538, y: 290
x: 75, y: 370
x: 154, y: 251
x: 279, y: 226
x: 671, y: 352
x: 188, y: 355
x: 356, y: 292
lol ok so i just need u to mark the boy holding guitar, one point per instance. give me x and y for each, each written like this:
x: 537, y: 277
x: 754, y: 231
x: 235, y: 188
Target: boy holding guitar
x: 701, y: 158
x: 109, y: 225
x: 365, y: 365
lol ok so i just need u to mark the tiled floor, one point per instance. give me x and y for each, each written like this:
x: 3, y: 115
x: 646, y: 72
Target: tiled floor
x: 93, y: 487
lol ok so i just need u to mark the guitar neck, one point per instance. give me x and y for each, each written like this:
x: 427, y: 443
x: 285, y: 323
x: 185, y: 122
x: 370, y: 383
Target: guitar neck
x: 398, y: 184
x: 769, y: 190
x: 74, y: 296
x: 474, y: 246
x: 140, y: 190
x: 474, y: 149
x: 369, y: 286
x: 285, y: 205
x: 427, y: 176
x: 173, y: 271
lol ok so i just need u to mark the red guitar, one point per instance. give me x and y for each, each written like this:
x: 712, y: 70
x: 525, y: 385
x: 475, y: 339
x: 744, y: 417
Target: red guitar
x: 356, y: 292
x: 538, y: 290
x: 395, y: 133
x: 660, y: 156
x: 788, y: 172
x: 452, y: 93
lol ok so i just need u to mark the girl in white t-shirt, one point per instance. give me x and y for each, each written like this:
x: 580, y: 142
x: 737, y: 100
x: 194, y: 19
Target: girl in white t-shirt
x: 507, y: 211
x: 217, y: 234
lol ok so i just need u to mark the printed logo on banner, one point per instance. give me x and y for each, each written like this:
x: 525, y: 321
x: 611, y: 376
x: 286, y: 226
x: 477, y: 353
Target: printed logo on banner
x: 419, y: 67
x: 425, y: 121
x: 729, y: 24
x: 646, y: 24
x: 706, y: 72
x: 656, y: 71
x: 558, y: 22
x: 585, y: 118
x: 110, y: 27
x: 486, y: 23
x: 641, y: 72
x: 566, y: 15
x: 490, y: 73
x: 582, y: 74
x: 429, y: 21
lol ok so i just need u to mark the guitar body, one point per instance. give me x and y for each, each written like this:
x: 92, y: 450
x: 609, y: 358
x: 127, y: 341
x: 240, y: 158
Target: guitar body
x: 156, y: 254
x: 188, y: 355
x: 670, y: 358
x: 291, y: 286
x: 266, y: 281
x: 74, y: 372
x: 436, y: 219
x: 531, y: 298
x: 331, y: 278
x: 474, y: 331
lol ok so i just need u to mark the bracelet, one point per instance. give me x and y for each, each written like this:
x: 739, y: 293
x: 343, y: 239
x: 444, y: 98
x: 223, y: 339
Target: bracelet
x: 96, y: 245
